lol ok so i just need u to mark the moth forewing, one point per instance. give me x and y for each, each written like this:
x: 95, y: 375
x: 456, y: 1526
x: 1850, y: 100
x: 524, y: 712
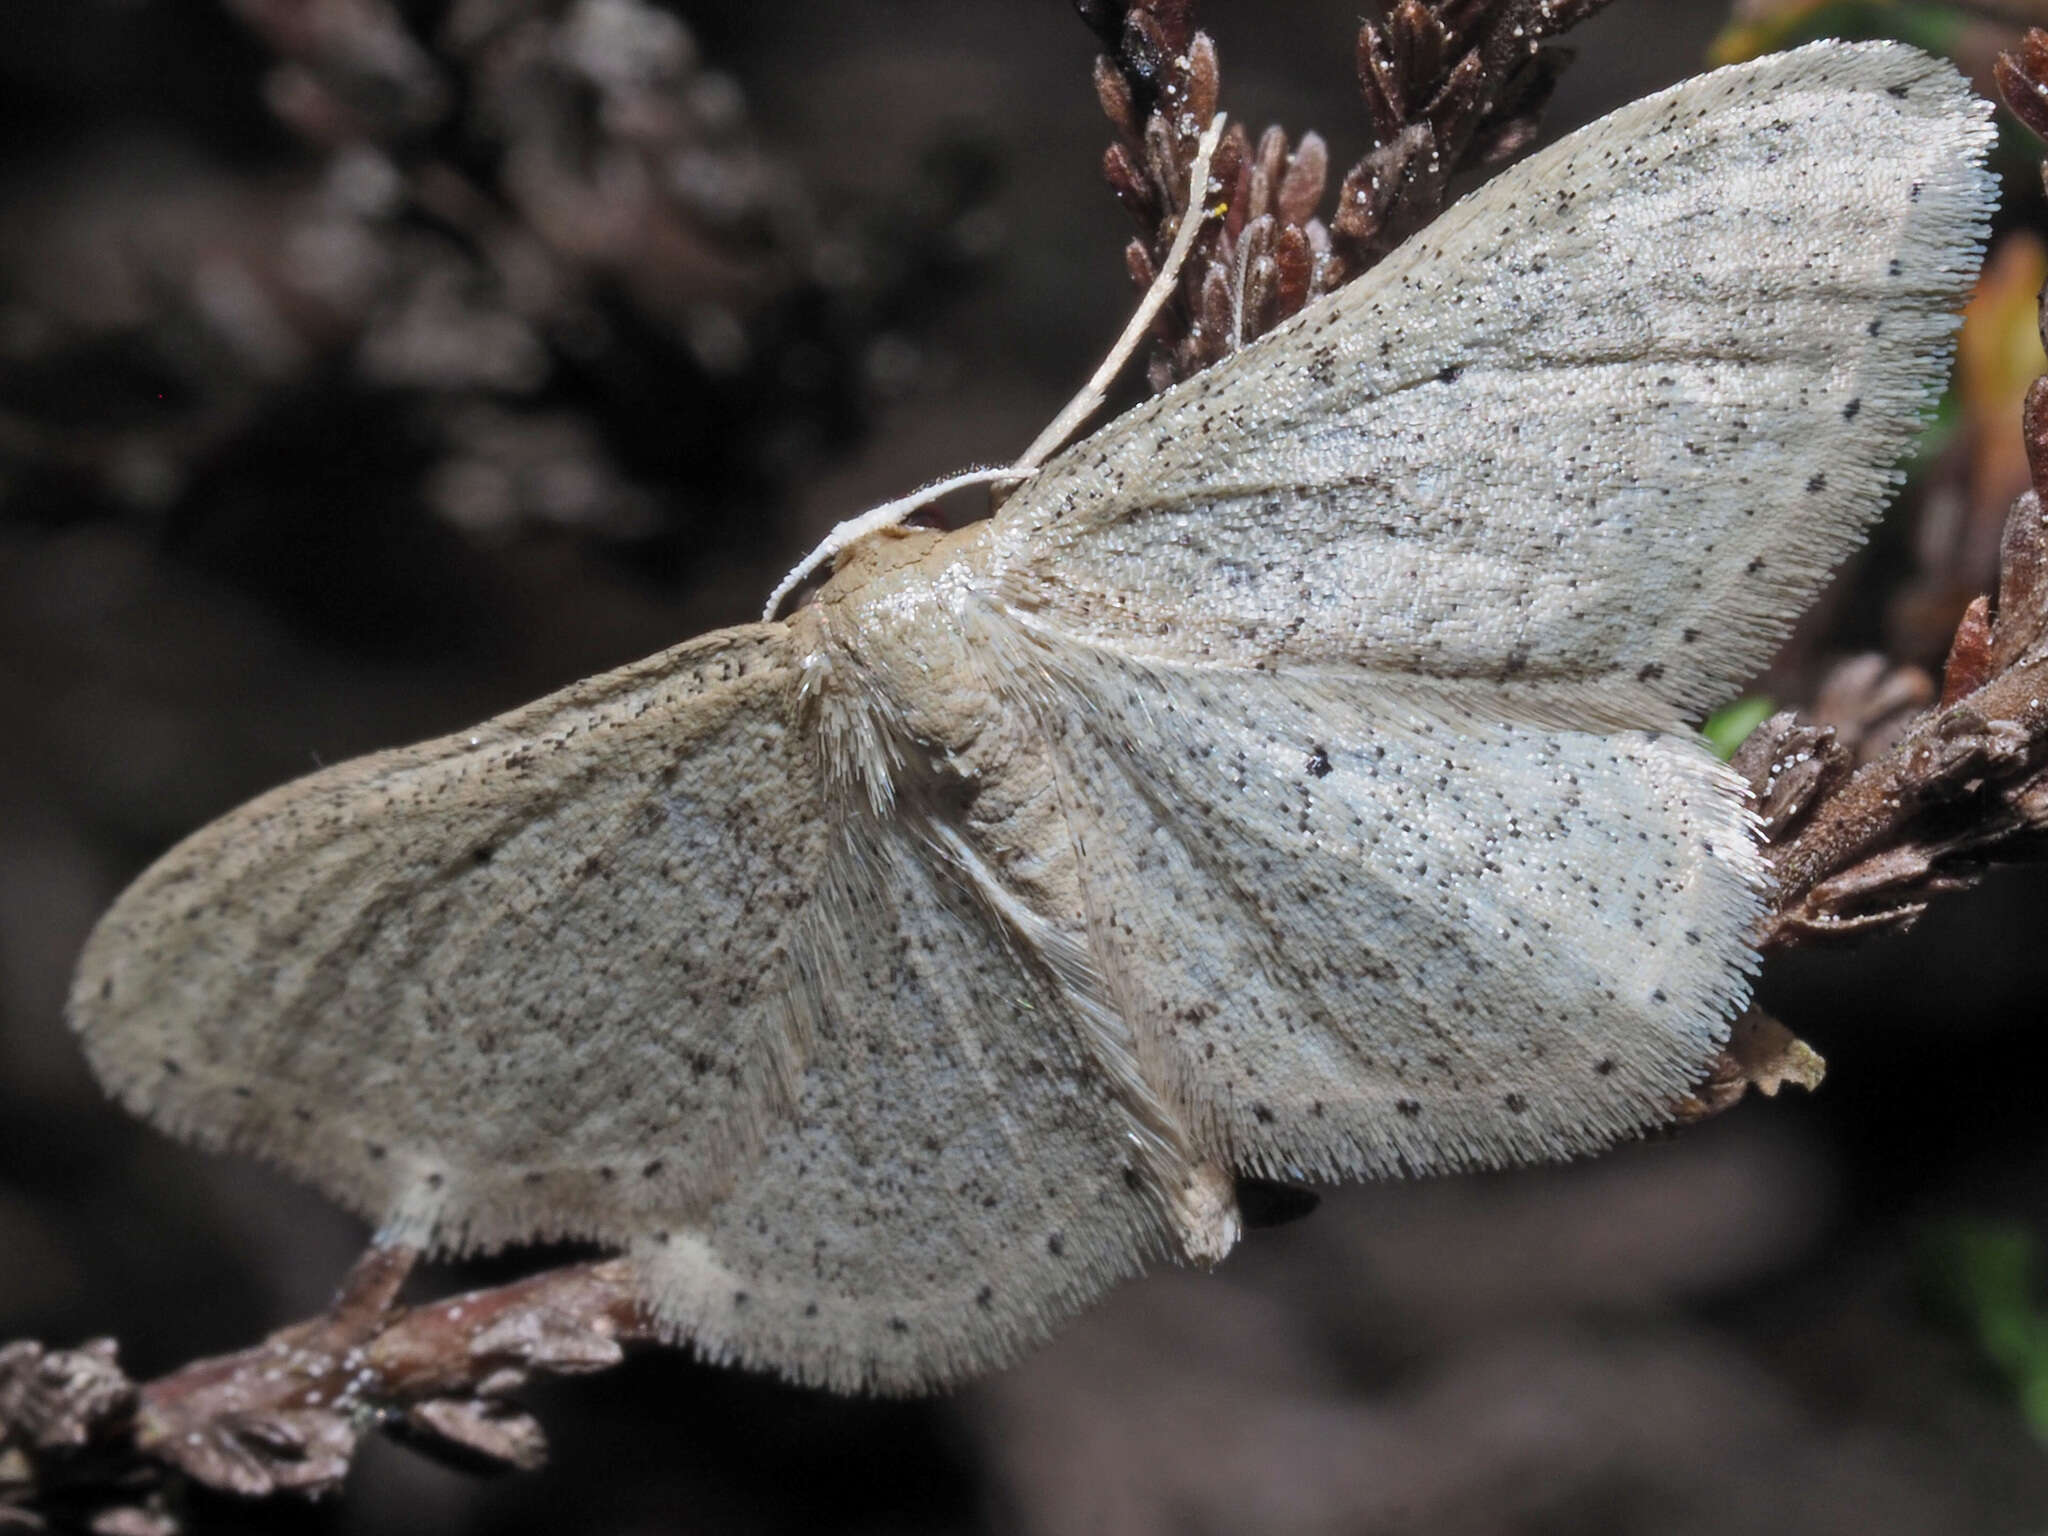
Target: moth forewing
x: 1577, y: 452
x: 527, y: 979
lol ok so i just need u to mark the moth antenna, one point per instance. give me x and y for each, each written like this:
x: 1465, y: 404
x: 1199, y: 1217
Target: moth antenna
x: 1096, y: 390
x: 1063, y: 426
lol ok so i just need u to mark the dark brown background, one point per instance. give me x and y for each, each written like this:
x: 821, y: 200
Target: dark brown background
x: 213, y: 577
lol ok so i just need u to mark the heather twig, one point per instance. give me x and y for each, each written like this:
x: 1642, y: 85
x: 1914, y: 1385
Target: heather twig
x: 1448, y: 86
x: 286, y: 1415
x: 543, y: 237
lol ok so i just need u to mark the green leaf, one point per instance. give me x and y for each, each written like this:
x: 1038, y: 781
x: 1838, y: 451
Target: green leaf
x: 1981, y: 1277
x: 1727, y: 728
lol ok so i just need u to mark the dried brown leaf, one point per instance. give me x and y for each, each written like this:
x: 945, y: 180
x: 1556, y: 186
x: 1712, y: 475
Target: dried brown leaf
x: 1762, y: 1054
x: 1203, y: 89
x: 2022, y: 618
x: 495, y: 1432
x: 1790, y: 764
x: 1969, y: 657
x: 1113, y: 91
x: 2022, y: 76
x: 1293, y: 269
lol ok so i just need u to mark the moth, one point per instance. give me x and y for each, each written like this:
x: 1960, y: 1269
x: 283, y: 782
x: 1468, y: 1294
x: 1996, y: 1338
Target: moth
x: 1291, y: 779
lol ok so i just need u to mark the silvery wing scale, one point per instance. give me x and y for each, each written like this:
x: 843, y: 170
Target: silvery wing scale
x: 1293, y: 778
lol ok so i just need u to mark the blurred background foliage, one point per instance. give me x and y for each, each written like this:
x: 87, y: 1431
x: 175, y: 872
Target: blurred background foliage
x: 366, y: 367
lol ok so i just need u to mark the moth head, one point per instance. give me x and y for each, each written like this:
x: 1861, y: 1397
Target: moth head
x: 888, y: 555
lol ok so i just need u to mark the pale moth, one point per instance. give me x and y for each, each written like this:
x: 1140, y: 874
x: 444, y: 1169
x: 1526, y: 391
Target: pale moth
x: 1293, y: 778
